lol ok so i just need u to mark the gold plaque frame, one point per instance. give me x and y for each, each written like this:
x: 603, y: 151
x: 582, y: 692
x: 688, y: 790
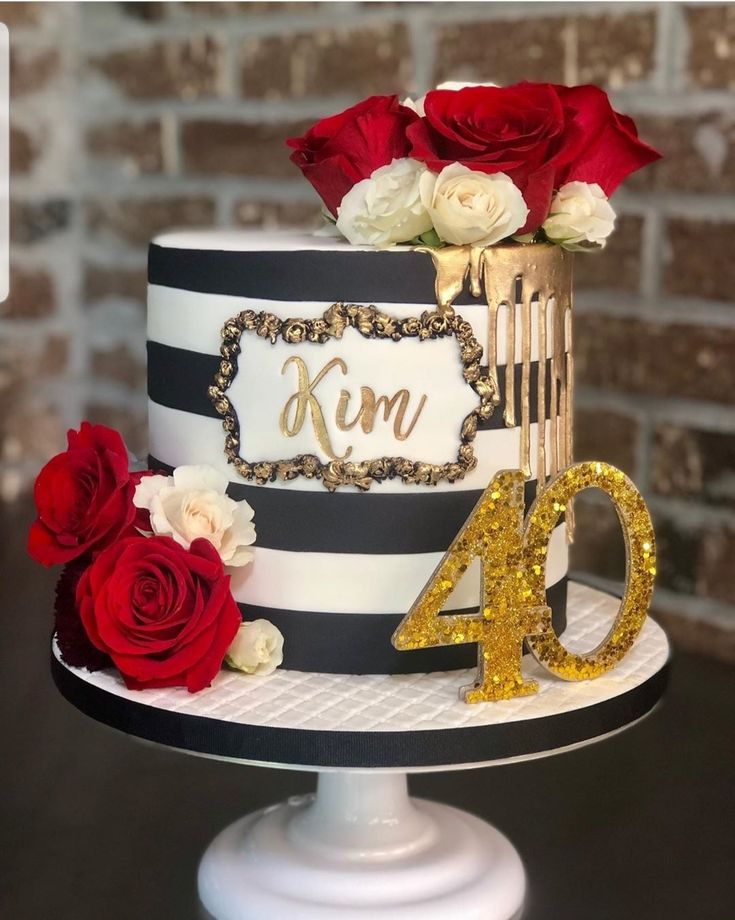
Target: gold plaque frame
x: 371, y: 324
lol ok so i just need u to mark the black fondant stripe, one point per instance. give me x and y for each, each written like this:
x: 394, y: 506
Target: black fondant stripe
x: 179, y: 379
x: 377, y: 522
x: 359, y: 643
x: 359, y: 749
x: 307, y: 275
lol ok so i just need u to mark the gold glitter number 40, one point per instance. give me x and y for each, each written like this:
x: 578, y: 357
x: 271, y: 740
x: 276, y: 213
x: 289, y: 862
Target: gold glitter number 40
x: 513, y: 593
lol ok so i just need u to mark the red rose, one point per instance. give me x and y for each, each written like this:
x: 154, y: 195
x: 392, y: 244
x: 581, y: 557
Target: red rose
x: 610, y: 150
x: 340, y: 151
x: 84, y: 497
x: 538, y: 134
x: 164, y: 614
x: 517, y: 130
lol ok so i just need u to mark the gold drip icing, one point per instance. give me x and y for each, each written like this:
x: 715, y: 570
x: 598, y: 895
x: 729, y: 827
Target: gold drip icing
x: 541, y: 413
x: 545, y: 273
x: 509, y: 413
x: 526, y: 385
x: 569, y: 428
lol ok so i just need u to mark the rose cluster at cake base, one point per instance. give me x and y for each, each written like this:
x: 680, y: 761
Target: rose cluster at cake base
x: 145, y: 585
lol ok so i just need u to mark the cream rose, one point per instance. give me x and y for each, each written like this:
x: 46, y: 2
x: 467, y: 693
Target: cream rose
x: 472, y: 207
x: 580, y: 217
x: 256, y: 649
x: 192, y: 503
x: 386, y: 208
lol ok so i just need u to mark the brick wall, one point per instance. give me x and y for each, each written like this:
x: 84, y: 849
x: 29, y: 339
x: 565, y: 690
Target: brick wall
x: 131, y: 117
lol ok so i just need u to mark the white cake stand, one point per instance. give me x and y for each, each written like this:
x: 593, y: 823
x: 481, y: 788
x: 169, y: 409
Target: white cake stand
x: 361, y: 848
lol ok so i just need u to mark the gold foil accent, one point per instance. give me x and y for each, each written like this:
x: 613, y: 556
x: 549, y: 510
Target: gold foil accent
x: 526, y: 387
x: 509, y: 413
x: 544, y: 275
x: 372, y: 324
x: 541, y: 393
x: 513, y: 553
x: 304, y: 401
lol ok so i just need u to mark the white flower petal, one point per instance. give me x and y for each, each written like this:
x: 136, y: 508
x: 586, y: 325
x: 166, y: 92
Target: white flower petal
x: 473, y: 207
x: 580, y: 216
x: 256, y: 649
x: 190, y: 478
x: 147, y: 488
x: 386, y: 208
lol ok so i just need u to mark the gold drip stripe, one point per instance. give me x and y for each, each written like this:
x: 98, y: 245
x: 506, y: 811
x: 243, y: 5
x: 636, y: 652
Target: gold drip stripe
x: 554, y: 392
x: 541, y: 413
x: 509, y: 415
x: 526, y: 384
x: 492, y: 348
x: 569, y: 429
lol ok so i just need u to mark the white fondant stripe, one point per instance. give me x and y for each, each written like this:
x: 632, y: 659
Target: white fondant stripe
x: 178, y: 438
x: 330, y: 582
x: 191, y: 320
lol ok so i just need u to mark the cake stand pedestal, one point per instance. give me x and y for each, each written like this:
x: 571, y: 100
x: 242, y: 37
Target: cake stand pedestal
x: 361, y: 848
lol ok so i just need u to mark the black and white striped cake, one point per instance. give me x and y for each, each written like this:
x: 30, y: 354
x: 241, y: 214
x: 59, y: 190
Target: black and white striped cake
x: 337, y: 569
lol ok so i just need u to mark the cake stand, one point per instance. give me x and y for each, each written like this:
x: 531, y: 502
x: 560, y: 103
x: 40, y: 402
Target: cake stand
x: 361, y: 847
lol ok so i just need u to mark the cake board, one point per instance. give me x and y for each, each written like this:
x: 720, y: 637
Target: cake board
x: 361, y: 847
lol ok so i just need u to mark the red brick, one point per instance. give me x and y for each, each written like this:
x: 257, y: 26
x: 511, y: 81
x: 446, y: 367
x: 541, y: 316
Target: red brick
x: 32, y: 70
x: 501, y: 52
x: 600, y: 434
x: 15, y: 15
x: 270, y: 215
x: 711, y: 44
x: 135, y: 146
x: 694, y: 464
x: 102, y: 281
x: 31, y: 221
x: 23, y: 151
x: 655, y: 359
x: 614, y: 50
x: 31, y: 358
x: 136, y: 220
x: 32, y: 431
x: 716, y: 573
x: 618, y: 265
x: 31, y: 296
x: 179, y: 68
x: 132, y: 424
x: 236, y: 148
x: 698, y: 153
x: 365, y: 61
x: 696, y: 636
x: 598, y: 547
x: 701, y: 260
x: 119, y: 364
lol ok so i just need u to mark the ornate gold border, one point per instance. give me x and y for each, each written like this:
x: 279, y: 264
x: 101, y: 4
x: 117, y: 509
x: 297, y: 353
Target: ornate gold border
x: 372, y: 324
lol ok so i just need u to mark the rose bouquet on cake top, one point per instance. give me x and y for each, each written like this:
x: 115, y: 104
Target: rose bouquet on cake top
x: 474, y: 164
x: 145, y: 585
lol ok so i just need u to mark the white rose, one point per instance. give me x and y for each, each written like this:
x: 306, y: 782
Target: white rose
x: 417, y: 105
x: 472, y: 207
x: 581, y: 217
x: 256, y: 649
x: 386, y: 208
x: 192, y: 503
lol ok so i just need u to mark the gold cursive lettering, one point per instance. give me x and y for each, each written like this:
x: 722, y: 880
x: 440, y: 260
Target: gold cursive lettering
x: 304, y: 398
x: 294, y: 412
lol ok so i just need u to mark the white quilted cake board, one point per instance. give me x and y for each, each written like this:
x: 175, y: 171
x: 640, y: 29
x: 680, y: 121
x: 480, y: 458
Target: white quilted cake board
x: 322, y: 721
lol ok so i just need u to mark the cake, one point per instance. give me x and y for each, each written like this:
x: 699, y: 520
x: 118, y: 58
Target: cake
x: 336, y: 568
x: 329, y: 413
